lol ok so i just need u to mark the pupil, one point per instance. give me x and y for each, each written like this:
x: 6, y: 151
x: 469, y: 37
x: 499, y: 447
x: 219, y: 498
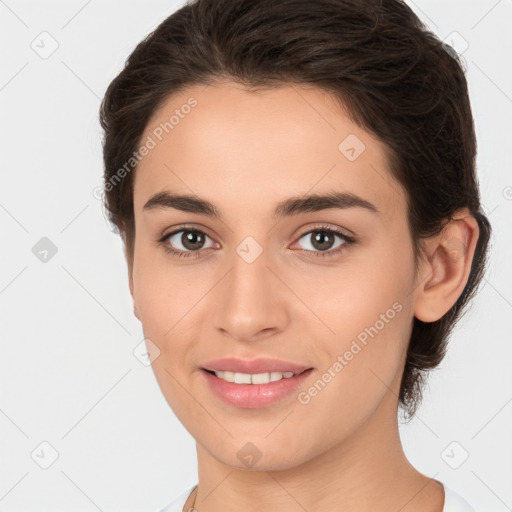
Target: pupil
x: 192, y: 240
x: 317, y: 240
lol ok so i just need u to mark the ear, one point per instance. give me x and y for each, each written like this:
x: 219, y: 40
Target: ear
x: 445, y: 271
x: 130, y: 284
x: 129, y: 261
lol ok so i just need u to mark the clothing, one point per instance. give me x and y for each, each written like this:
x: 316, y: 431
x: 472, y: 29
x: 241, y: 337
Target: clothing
x: 453, y: 502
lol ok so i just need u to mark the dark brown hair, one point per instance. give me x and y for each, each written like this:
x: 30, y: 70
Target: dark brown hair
x: 395, y: 78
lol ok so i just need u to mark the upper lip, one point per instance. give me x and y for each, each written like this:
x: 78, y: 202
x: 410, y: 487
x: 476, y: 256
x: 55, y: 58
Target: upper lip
x: 253, y: 366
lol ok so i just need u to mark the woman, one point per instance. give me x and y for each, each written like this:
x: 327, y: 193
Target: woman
x: 294, y: 183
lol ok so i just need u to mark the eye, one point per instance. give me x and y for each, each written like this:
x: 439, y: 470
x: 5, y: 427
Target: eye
x: 322, y: 238
x: 191, y: 241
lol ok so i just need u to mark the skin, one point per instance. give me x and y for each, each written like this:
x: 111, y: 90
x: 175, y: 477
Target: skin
x: 244, y: 152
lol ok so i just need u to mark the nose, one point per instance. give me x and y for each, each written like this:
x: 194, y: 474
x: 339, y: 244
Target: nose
x: 251, y: 303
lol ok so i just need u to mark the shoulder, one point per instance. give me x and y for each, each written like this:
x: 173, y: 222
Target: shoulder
x: 177, y: 504
x: 454, y: 502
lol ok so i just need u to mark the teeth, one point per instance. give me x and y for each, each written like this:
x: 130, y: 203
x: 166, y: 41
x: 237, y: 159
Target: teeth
x: 256, y: 378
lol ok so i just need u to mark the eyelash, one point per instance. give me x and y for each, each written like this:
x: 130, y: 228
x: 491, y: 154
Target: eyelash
x: 348, y: 240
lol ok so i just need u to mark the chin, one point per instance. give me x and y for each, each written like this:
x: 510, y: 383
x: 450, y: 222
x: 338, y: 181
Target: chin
x: 257, y: 455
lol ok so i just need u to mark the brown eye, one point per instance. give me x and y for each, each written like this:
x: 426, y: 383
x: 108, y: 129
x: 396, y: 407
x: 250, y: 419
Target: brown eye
x: 322, y: 241
x: 192, y: 240
x: 185, y: 241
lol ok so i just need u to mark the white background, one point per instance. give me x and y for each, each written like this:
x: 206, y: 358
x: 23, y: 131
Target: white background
x: 68, y: 374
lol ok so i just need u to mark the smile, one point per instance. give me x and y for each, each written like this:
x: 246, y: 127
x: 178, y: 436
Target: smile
x: 254, y: 378
x: 254, y: 390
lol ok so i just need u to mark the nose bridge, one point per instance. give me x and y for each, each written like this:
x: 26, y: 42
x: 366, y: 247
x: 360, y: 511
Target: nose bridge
x: 250, y: 267
x: 250, y: 300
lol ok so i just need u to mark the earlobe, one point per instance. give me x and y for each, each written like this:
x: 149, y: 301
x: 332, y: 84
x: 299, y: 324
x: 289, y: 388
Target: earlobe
x: 446, y: 272
x: 136, y: 312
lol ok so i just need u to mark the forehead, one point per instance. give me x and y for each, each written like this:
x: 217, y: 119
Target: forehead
x: 241, y: 148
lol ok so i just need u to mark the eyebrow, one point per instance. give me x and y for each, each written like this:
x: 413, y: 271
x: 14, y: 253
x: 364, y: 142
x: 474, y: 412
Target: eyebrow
x: 286, y: 208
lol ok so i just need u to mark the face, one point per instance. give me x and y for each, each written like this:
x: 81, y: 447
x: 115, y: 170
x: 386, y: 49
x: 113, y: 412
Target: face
x: 265, y: 271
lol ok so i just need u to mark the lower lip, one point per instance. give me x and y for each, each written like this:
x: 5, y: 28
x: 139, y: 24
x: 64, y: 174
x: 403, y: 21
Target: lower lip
x: 252, y: 396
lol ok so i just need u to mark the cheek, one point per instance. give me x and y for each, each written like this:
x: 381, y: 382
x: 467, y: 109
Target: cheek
x: 354, y: 295
x: 158, y: 292
x: 172, y: 301
x: 363, y: 361
x: 158, y: 283
x: 369, y: 312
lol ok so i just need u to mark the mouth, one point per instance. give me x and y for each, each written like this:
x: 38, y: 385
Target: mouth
x: 251, y: 391
x: 254, y: 378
